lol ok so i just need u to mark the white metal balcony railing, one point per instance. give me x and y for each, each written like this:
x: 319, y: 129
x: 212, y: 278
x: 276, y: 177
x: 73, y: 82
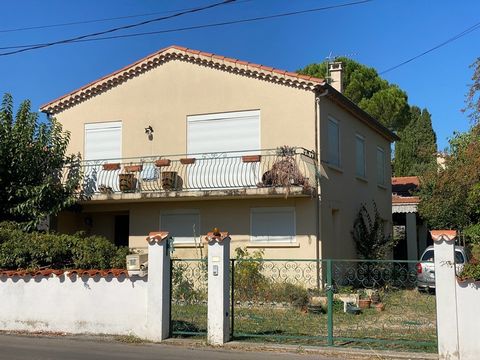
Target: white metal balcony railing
x: 282, y: 167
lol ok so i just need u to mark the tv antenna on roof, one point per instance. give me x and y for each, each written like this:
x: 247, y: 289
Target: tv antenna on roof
x: 332, y: 58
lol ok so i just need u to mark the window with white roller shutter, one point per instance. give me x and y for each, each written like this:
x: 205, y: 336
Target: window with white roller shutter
x: 103, y: 143
x: 218, y: 141
x: 103, y: 140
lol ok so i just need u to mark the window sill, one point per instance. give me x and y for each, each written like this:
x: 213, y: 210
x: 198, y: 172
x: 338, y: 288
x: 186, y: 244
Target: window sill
x: 361, y: 178
x: 272, y: 245
x: 383, y: 187
x: 187, y: 245
x: 335, y: 167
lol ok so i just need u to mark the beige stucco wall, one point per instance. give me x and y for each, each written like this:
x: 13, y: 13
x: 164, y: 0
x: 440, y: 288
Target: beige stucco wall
x: 341, y: 190
x: 227, y: 215
x: 166, y: 95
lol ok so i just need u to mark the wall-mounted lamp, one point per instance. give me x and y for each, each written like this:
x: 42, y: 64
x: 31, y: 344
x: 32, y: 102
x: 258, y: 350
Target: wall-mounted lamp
x: 149, y: 132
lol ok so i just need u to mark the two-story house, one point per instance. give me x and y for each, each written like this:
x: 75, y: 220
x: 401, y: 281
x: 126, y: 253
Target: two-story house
x: 185, y: 141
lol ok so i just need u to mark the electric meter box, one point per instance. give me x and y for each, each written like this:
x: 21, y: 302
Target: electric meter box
x: 136, y: 263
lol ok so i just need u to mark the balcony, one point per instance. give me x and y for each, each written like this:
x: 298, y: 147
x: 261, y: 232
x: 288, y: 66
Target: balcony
x: 279, y: 172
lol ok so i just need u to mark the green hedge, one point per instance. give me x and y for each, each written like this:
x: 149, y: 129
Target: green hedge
x: 33, y: 250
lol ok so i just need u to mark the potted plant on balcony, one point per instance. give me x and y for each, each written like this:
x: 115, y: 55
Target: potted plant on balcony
x: 127, y: 180
x: 284, y: 171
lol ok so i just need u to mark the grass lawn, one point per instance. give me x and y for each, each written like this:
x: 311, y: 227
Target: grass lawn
x: 407, y: 323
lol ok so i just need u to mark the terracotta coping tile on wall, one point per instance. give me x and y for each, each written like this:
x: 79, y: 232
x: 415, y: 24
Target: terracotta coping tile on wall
x: 216, y: 237
x: 438, y: 235
x: 157, y: 236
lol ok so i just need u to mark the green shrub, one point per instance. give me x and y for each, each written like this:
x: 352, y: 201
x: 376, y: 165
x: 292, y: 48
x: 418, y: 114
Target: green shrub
x: 248, y: 277
x: 472, y: 233
x: 22, y: 250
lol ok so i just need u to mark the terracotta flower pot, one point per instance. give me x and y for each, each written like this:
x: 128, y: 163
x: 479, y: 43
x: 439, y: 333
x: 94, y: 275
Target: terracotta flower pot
x: 364, y: 303
x: 162, y: 162
x: 187, y: 161
x: 111, y: 166
x: 251, y: 158
x: 127, y: 182
x: 380, y: 307
x: 133, y: 168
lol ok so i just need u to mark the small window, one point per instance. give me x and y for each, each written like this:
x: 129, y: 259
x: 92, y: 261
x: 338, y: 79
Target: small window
x: 333, y: 151
x: 273, y: 225
x: 183, y: 227
x: 380, y: 166
x: 360, y: 155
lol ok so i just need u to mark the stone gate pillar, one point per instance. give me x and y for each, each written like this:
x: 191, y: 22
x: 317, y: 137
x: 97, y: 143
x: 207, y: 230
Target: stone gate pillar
x: 218, y: 327
x: 158, y: 288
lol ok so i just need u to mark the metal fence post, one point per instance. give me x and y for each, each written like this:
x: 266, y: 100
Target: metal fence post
x: 329, y: 289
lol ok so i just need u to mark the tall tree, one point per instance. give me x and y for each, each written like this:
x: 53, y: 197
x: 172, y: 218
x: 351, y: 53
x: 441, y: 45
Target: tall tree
x: 451, y: 196
x: 37, y: 178
x: 473, y: 96
x: 416, y: 153
x: 387, y: 103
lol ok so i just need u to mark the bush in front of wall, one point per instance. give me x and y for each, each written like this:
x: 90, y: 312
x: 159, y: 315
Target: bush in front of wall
x: 34, y: 250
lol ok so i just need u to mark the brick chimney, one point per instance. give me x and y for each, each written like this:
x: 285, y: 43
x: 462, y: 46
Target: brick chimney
x: 336, y: 75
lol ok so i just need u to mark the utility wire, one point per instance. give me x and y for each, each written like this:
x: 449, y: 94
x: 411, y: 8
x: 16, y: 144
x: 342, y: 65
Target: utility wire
x: 452, y: 39
x: 130, y: 26
x: 199, y: 26
x: 91, y: 21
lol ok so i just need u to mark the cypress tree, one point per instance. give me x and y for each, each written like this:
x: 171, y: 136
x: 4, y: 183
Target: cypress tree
x: 415, y: 153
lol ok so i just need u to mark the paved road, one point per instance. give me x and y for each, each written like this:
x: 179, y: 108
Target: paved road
x: 17, y: 347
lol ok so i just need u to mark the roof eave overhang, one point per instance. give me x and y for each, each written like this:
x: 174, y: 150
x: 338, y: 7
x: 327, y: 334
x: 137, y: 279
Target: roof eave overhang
x: 154, y: 60
x: 351, y: 107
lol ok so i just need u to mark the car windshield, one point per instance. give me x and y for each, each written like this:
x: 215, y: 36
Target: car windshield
x: 430, y: 256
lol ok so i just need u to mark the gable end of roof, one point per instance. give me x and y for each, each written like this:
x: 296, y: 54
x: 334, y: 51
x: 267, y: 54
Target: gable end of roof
x: 158, y: 58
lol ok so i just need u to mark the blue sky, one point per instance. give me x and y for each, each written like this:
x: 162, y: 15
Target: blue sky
x: 380, y: 34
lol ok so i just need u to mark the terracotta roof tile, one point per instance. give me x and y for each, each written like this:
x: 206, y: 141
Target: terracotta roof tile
x: 72, y: 272
x: 114, y: 78
x: 405, y: 199
x: 403, y: 180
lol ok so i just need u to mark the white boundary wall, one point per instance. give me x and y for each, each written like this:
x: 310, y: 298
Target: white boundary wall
x: 458, y: 315
x: 107, y: 305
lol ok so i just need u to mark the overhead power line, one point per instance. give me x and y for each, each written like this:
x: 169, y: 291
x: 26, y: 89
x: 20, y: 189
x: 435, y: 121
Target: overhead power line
x: 91, y: 21
x: 452, y: 39
x: 194, y: 27
x: 130, y: 26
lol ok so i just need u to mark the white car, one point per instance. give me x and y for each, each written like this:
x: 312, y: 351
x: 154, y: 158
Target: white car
x: 426, y: 267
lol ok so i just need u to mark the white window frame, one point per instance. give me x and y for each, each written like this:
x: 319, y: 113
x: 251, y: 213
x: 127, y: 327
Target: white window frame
x: 337, y: 164
x: 289, y: 209
x: 198, y: 235
x: 361, y: 138
x: 382, y: 181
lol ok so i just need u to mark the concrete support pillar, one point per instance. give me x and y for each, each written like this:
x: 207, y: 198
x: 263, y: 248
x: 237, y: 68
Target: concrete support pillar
x: 218, y: 326
x: 445, y: 292
x: 158, y: 289
x: 422, y: 237
x: 412, y: 243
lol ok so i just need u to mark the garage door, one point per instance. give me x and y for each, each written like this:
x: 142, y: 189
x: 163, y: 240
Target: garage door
x: 218, y: 141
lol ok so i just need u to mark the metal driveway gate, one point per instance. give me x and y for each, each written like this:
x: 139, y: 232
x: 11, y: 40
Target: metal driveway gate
x: 309, y: 302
